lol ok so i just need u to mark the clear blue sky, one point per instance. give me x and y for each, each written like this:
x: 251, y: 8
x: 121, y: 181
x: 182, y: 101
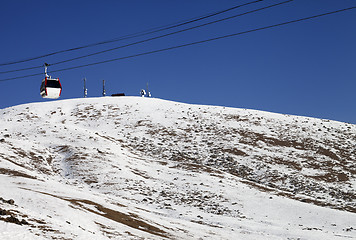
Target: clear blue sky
x: 306, y: 68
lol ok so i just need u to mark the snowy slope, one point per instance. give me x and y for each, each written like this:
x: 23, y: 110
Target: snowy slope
x: 144, y: 168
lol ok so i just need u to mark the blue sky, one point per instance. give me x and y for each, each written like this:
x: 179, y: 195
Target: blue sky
x: 306, y: 68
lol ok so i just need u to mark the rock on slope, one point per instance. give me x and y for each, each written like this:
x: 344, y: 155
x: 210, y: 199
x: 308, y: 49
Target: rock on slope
x: 147, y: 168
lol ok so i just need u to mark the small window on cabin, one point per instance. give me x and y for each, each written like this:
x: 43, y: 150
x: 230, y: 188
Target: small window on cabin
x: 53, y: 84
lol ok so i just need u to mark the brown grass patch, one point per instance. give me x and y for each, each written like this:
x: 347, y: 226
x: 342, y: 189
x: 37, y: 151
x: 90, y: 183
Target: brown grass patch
x: 130, y: 220
x: 14, y: 173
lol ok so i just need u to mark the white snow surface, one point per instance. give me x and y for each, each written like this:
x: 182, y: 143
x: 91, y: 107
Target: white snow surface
x: 146, y: 168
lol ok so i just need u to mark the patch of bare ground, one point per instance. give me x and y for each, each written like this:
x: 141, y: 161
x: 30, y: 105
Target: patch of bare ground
x: 16, y: 217
x: 10, y: 201
x: 10, y: 216
x: 36, y: 160
x: 13, y: 219
x: 111, y: 139
x: 205, y: 223
x: 130, y: 220
x: 14, y: 173
x: 51, y: 233
x: 331, y: 176
x: 234, y: 151
x: 287, y: 162
x: 109, y: 231
x: 140, y: 173
x: 252, y: 138
x: 4, y: 157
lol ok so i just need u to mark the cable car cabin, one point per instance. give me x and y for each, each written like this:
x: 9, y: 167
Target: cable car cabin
x: 51, y: 88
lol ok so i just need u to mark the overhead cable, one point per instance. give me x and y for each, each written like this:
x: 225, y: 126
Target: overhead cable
x: 153, y: 38
x: 139, y: 34
x: 192, y: 43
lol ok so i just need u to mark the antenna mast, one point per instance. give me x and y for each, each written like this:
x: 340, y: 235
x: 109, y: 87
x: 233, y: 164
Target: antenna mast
x: 148, y: 92
x: 104, y: 92
x: 85, y: 88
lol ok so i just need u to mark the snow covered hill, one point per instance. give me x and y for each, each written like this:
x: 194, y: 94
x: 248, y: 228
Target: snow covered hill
x: 145, y: 168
